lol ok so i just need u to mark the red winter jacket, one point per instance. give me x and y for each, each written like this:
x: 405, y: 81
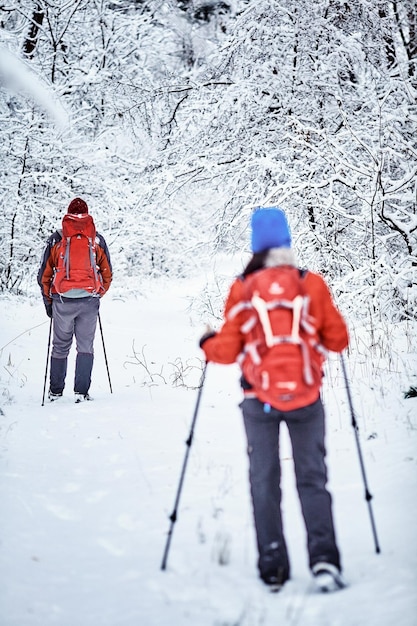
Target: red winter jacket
x: 228, y: 343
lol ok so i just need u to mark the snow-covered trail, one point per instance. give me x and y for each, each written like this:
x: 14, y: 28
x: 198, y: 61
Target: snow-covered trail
x: 86, y: 490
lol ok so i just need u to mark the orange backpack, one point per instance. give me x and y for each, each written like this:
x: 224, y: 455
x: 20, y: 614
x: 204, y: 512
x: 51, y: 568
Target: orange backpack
x: 77, y: 267
x: 282, y: 358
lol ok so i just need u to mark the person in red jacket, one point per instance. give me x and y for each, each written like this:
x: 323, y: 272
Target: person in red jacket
x: 271, y: 246
x: 73, y: 301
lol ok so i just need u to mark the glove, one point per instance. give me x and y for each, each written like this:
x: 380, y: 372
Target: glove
x: 207, y: 335
x: 48, y: 308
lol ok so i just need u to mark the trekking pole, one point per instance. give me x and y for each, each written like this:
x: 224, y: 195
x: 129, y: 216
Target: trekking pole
x: 47, y: 362
x: 105, y: 354
x: 173, y: 516
x: 368, y: 496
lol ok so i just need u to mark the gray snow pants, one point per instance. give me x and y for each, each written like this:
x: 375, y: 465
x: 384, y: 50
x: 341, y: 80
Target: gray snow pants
x: 306, y: 431
x: 73, y: 317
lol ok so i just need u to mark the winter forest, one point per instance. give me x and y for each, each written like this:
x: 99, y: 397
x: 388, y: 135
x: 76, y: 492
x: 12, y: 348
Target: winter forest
x: 174, y: 119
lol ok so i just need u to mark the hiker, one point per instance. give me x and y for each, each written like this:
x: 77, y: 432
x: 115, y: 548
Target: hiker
x: 74, y: 274
x: 296, y: 401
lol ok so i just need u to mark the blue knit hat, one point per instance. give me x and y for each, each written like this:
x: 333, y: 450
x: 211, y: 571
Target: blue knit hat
x: 269, y: 229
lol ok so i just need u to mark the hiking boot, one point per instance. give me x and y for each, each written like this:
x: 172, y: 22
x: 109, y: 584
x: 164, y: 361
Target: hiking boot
x: 81, y: 397
x: 327, y: 577
x: 275, y: 578
x: 54, y: 396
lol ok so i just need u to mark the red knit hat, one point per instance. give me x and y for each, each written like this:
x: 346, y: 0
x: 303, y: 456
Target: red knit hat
x: 77, y: 206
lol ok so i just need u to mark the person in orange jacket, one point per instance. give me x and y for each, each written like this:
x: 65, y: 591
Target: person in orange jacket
x: 73, y: 303
x: 271, y: 246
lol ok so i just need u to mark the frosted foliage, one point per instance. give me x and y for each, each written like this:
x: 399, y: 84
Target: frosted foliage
x: 173, y: 120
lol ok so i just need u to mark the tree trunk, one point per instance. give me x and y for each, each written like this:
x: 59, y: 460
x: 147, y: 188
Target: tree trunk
x: 29, y: 45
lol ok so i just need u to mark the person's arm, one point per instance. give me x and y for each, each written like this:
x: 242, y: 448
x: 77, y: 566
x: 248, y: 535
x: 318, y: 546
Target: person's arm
x: 104, y: 263
x: 332, y: 328
x: 225, y: 345
x: 47, y: 269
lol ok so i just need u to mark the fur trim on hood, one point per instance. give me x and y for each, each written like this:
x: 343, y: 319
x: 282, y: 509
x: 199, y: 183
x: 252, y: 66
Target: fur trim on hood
x: 280, y: 256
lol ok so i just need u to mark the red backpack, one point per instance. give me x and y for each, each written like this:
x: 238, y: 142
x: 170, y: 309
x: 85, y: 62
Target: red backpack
x: 282, y: 358
x: 77, y: 267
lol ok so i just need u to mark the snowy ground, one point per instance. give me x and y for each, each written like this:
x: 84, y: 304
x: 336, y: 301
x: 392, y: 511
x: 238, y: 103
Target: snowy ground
x: 86, y: 490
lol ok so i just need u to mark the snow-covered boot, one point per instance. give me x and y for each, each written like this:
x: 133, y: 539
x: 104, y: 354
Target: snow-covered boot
x: 327, y: 577
x: 54, y: 396
x: 82, y: 397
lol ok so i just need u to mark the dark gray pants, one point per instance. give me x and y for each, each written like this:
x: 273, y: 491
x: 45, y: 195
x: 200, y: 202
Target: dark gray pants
x: 76, y: 317
x: 306, y: 430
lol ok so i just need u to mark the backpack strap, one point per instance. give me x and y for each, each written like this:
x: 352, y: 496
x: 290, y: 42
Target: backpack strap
x: 93, y: 259
x: 67, y: 258
x: 261, y: 308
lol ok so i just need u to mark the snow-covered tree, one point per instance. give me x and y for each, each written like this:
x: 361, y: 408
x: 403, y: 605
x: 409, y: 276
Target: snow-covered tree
x: 186, y: 115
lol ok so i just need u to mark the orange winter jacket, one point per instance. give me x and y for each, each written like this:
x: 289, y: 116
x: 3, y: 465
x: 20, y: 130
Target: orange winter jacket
x: 228, y: 343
